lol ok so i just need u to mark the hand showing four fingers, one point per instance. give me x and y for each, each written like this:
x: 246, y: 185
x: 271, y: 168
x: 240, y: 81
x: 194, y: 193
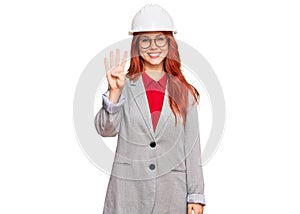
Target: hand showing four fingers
x: 115, y: 74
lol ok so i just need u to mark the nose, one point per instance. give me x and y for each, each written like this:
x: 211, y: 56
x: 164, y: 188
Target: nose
x: 152, y: 44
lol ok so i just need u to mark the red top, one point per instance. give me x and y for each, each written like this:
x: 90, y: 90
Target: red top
x: 155, y: 91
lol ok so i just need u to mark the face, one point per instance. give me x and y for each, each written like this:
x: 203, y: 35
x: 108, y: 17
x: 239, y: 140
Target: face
x: 153, y: 47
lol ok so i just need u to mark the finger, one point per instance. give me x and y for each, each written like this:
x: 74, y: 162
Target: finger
x: 189, y: 209
x: 124, y: 58
x: 119, y: 70
x: 111, y: 60
x: 118, y: 74
x: 201, y: 210
x: 106, y: 65
x: 117, y: 56
x: 114, y: 74
x: 198, y: 209
x: 122, y: 78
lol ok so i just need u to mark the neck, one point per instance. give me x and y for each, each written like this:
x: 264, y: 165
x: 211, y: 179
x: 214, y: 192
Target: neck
x: 154, y: 71
x: 156, y: 75
x: 151, y: 67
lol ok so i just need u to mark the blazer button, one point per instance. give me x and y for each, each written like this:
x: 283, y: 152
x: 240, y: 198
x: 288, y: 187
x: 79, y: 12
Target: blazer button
x: 152, y: 144
x: 152, y: 166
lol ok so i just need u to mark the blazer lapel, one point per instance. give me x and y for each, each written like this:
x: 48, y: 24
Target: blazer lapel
x: 164, y: 114
x: 140, y: 97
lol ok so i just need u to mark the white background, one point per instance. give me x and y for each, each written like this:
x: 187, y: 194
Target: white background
x: 254, y: 48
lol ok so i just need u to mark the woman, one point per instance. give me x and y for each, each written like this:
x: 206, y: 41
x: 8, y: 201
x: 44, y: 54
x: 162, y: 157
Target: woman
x: 153, y: 110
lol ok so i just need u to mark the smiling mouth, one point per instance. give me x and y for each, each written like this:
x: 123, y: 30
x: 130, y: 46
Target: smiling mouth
x: 154, y: 55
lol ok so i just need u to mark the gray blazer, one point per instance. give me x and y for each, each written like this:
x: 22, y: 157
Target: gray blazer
x: 154, y: 172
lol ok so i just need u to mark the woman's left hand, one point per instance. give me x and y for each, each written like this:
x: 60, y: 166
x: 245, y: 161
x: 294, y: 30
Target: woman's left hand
x: 198, y: 208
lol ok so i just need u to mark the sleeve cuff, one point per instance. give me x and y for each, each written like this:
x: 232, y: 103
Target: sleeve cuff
x: 196, y: 198
x: 110, y: 106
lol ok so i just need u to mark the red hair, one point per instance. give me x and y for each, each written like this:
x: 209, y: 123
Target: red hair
x: 178, y: 87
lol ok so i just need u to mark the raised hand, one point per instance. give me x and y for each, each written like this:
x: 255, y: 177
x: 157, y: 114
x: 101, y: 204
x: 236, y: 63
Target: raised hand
x: 115, y: 70
x: 115, y: 74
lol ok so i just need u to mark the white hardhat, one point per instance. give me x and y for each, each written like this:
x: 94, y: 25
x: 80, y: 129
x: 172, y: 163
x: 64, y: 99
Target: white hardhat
x: 152, y: 18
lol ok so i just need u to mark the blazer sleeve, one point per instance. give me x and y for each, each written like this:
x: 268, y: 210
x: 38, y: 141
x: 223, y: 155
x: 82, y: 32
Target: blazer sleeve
x: 195, y: 182
x: 108, y: 119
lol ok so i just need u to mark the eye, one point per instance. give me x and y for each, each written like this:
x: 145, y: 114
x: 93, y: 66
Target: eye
x: 160, y: 39
x: 145, y: 40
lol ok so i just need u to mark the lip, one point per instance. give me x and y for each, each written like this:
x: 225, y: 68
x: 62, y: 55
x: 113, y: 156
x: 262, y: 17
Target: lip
x: 154, y: 55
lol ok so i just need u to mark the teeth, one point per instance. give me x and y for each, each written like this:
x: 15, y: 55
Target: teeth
x: 154, y: 54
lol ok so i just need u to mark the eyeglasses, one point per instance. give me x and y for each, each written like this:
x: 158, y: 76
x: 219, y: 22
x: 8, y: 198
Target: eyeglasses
x: 145, y: 42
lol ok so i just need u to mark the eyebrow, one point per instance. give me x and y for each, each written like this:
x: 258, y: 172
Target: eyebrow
x: 155, y: 36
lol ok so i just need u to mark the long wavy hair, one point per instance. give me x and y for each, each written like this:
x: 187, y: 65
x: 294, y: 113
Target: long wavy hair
x: 177, y: 86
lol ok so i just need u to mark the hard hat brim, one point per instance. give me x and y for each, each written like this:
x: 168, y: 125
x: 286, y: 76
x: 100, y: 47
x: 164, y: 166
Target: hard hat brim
x: 136, y: 31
